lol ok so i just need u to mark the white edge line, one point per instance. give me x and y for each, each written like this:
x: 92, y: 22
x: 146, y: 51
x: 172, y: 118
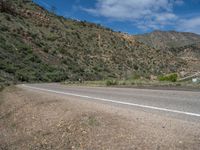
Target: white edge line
x: 117, y: 102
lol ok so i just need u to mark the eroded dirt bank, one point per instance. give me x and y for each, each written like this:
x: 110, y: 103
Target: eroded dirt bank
x: 36, y: 120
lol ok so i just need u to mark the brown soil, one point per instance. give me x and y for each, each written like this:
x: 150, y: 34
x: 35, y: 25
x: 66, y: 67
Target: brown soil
x: 38, y: 120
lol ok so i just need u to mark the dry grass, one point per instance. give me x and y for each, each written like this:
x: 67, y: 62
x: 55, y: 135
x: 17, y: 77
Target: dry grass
x: 188, y: 85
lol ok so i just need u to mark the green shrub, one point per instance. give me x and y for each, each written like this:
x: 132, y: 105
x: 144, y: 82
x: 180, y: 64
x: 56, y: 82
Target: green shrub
x: 56, y: 76
x: 170, y: 77
x: 135, y: 77
x: 1, y: 88
x: 22, y: 77
x: 111, y: 82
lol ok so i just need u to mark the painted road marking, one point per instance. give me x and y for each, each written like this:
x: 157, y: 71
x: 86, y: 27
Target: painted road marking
x: 114, y: 101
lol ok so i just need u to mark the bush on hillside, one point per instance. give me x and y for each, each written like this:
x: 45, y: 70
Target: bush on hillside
x: 111, y: 82
x: 7, y: 7
x: 171, y: 77
x: 1, y: 87
x: 135, y: 77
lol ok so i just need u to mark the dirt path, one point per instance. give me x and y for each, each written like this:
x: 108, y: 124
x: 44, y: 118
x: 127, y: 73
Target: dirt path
x: 37, y: 120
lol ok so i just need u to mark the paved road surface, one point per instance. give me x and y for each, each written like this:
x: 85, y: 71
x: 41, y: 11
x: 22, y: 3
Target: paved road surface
x: 179, y: 104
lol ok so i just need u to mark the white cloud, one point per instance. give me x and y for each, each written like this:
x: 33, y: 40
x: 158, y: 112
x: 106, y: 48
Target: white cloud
x: 179, y: 2
x: 189, y: 25
x: 143, y: 13
x: 128, y: 9
x: 166, y: 17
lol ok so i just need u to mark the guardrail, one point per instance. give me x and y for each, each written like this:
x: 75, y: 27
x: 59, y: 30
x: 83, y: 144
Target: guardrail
x: 190, y: 77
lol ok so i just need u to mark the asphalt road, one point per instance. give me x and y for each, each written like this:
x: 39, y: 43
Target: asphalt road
x: 179, y: 104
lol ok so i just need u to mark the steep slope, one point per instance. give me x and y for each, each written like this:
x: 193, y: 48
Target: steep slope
x: 168, y: 39
x: 37, y: 45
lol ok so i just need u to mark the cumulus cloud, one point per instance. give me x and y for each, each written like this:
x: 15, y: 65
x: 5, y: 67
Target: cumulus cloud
x: 189, y: 25
x: 143, y: 13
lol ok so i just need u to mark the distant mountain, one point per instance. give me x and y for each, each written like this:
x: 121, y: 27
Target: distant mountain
x: 38, y: 46
x: 183, y: 45
x: 169, y: 39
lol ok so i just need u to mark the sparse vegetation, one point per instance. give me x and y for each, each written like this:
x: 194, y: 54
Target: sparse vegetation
x: 92, y: 121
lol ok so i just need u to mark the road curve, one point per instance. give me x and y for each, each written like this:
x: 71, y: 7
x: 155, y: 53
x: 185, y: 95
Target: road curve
x: 181, y: 104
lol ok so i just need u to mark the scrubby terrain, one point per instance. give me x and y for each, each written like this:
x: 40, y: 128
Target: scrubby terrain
x: 38, y: 46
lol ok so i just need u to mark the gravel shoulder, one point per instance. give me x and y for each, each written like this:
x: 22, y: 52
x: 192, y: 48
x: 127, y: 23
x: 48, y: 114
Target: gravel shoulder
x: 37, y: 120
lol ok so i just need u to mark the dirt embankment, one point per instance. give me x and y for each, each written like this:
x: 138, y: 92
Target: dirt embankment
x: 36, y: 120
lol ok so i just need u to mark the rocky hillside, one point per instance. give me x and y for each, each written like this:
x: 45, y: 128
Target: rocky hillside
x: 37, y: 45
x: 168, y: 39
x: 189, y: 54
x: 183, y: 45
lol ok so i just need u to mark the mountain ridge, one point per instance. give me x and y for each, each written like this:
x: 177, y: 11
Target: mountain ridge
x: 168, y: 39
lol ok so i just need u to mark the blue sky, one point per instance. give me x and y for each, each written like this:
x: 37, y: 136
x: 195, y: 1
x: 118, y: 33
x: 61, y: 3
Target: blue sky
x: 132, y: 16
